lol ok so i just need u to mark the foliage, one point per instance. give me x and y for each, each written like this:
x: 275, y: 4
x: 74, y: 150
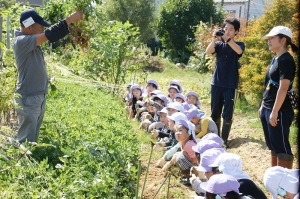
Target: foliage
x: 8, y: 76
x: 113, y: 54
x: 257, y: 57
x: 89, y: 151
x: 200, y: 62
x: 5, y: 4
x: 176, y: 23
x: 82, y: 31
x: 139, y: 13
x: 8, y: 73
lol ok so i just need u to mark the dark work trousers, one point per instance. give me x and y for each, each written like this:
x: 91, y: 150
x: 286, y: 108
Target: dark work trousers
x: 222, y: 97
x: 277, y: 138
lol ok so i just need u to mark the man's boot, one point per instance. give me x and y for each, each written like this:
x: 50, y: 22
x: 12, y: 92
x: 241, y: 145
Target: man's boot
x: 218, y: 123
x: 273, y: 158
x: 225, y: 131
x: 285, y: 160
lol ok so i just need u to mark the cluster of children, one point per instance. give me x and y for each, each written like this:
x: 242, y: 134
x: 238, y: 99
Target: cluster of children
x: 189, y: 139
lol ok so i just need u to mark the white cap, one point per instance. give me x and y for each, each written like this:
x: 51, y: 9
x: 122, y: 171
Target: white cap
x: 279, y: 30
x: 230, y: 164
x: 177, y: 106
x: 164, y: 110
x: 279, y: 177
x: 177, y: 116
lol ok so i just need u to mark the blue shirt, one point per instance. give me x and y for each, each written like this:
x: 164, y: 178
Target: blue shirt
x: 226, y: 73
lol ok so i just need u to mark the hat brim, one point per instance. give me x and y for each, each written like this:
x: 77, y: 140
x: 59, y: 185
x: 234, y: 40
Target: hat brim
x: 195, y: 148
x: 44, y: 23
x: 213, y: 165
x: 268, y: 35
x: 201, y: 168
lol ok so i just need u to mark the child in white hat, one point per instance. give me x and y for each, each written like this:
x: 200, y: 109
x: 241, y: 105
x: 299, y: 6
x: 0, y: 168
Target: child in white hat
x: 171, y: 146
x: 222, y: 186
x: 282, y: 181
x: 174, y: 107
x: 231, y: 164
x: 185, y: 135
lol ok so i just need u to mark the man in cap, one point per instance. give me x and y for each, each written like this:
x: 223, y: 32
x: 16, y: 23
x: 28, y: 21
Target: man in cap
x: 32, y: 84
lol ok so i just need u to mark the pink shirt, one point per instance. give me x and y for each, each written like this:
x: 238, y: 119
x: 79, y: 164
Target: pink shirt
x: 188, y: 148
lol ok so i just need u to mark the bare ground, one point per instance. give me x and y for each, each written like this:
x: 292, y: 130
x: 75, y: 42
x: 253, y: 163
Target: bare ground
x: 244, y: 140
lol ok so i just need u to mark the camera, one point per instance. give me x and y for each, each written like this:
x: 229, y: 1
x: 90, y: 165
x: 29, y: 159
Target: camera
x: 220, y: 33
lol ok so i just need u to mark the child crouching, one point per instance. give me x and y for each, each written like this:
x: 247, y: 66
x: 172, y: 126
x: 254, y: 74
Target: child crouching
x: 185, y: 135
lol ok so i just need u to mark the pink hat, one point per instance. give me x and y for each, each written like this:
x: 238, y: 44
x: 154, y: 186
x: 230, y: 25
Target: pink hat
x: 174, y: 87
x: 176, y: 105
x: 214, y: 137
x: 279, y: 177
x: 204, y: 145
x: 221, y: 184
x: 179, y: 95
x: 162, y: 97
x: 153, y: 82
x: 177, y: 83
x: 195, y: 112
x: 189, y: 125
x: 209, y: 157
x: 196, y: 95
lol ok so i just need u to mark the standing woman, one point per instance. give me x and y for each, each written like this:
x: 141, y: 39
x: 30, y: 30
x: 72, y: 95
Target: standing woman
x: 276, y: 112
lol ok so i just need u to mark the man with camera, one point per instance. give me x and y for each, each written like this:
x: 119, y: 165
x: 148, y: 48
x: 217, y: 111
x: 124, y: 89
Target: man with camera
x: 225, y: 78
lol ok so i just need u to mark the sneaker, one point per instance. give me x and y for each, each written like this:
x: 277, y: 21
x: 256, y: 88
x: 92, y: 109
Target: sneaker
x: 185, y: 181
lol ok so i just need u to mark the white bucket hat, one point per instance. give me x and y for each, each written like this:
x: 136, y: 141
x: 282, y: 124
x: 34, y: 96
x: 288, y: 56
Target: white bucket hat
x: 278, y: 177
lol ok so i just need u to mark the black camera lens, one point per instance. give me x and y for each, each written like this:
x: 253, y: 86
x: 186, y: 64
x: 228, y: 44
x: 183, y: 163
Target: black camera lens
x: 220, y: 33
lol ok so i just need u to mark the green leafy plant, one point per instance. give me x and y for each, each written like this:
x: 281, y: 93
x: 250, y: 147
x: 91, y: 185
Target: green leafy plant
x: 90, y: 150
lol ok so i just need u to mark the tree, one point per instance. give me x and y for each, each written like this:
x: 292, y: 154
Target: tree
x: 140, y: 13
x: 5, y: 4
x: 256, y: 58
x: 177, y: 21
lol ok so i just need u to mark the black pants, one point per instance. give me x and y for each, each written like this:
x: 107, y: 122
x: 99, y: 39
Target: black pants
x: 277, y: 138
x: 222, y: 97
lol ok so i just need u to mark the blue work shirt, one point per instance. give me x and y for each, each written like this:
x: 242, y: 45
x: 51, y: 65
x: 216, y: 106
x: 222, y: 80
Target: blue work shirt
x: 226, y: 72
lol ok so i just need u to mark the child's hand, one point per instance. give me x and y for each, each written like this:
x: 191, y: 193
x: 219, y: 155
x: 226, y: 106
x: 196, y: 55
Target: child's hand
x: 150, y: 101
x: 154, y: 133
x: 162, y: 144
x: 139, y: 102
x: 152, y: 127
x: 157, y: 147
x: 193, y: 178
x: 199, y: 174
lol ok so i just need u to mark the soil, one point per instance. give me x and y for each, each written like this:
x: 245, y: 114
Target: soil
x: 244, y: 140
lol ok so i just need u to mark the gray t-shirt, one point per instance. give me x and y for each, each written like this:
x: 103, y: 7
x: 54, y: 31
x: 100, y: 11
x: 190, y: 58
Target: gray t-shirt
x: 32, y: 73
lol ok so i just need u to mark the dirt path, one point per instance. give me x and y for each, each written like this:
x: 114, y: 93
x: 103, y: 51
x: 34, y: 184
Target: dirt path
x: 246, y: 141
